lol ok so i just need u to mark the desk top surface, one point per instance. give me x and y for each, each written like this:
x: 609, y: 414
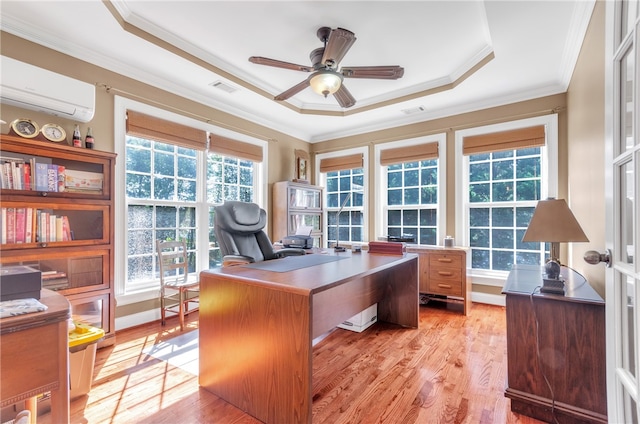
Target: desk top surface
x: 527, y: 279
x: 58, y: 309
x: 315, y: 278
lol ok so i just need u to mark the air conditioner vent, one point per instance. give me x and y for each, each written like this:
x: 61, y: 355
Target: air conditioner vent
x: 223, y: 86
x: 413, y: 110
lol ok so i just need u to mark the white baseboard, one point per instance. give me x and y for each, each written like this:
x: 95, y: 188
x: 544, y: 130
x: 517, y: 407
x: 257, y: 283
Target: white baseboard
x: 137, y: 319
x: 490, y: 299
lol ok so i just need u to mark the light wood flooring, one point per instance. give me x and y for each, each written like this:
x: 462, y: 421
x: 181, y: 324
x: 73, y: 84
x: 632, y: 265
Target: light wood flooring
x: 451, y: 370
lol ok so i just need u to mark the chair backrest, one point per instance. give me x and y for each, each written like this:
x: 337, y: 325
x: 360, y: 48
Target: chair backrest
x: 239, y: 229
x: 173, y: 262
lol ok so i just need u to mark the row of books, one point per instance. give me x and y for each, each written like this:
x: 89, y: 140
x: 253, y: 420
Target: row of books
x: 18, y: 174
x: 31, y: 225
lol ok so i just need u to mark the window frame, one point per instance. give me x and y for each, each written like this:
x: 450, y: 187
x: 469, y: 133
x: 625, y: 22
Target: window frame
x: 549, y: 182
x: 121, y: 105
x: 380, y: 178
x: 321, y: 179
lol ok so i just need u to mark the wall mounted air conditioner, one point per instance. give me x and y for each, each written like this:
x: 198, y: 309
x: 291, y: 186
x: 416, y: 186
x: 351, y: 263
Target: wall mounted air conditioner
x: 29, y: 87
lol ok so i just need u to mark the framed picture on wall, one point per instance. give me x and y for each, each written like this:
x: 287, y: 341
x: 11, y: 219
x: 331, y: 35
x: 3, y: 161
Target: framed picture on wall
x: 302, y: 166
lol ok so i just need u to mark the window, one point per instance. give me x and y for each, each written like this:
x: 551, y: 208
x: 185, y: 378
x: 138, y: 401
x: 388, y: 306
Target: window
x: 174, y: 174
x: 343, y: 176
x: 504, y: 188
x: 411, y: 189
x: 161, y: 194
x: 506, y: 169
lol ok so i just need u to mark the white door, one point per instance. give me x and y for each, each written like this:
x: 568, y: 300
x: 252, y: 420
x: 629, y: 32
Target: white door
x: 622, y: 88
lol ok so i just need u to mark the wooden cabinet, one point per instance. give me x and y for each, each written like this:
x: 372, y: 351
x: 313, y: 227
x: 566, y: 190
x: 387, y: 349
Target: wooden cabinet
x: 67, y: 233
x: 294, y: 205
x: 555, y: 349
x: 443, y: 273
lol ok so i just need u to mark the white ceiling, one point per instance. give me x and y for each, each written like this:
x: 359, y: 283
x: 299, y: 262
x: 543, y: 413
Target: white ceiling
x: 532, y: 47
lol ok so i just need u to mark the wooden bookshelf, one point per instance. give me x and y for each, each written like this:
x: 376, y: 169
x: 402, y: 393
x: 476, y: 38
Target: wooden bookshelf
x: 76, y: 255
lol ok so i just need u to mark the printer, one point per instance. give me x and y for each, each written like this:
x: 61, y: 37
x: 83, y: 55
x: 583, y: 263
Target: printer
x: 298, y: 241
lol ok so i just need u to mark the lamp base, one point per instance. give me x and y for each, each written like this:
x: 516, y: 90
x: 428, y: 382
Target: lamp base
x: 554, y: 286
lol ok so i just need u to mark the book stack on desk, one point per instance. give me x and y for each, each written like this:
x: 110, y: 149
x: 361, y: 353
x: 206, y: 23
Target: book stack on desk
x: 388, y: 248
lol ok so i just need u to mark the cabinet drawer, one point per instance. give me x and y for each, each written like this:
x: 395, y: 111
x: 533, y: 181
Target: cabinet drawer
x: 438, y: 260
x: 445, y: 287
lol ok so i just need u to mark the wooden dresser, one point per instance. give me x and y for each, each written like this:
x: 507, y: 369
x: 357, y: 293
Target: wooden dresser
x: 443, y: 272
x: 560, y: 338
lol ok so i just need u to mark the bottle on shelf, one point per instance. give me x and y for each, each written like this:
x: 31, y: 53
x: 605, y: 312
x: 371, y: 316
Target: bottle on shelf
x: 88, y: 141
x: 77, y: 139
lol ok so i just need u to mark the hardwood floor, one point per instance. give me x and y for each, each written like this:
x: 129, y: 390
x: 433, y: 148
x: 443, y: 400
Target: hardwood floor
x: 451, y: 370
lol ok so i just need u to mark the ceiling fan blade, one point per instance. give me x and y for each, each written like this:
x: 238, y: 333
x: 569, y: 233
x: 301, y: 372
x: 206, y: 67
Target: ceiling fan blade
x: 293, y: 90
x: 279, y: 64
x: 375, y: 72
x: 340, y: 41
x: 344, y: 97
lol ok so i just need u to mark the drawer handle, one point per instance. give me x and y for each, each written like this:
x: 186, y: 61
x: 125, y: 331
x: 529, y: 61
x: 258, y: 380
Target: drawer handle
x: 445, y: 273
x: 444, y: 286
x: 447, y: 260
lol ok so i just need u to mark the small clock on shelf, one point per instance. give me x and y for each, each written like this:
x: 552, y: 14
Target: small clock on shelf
x: 25, y: 128
x: 54, y: 132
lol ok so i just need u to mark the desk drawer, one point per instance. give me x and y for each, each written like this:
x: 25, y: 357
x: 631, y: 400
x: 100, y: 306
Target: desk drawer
x: 446, y: 281
x: 442, y: 260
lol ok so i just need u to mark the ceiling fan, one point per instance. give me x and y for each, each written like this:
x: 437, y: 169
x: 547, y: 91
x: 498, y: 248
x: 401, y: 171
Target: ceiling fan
x: 326, y: 78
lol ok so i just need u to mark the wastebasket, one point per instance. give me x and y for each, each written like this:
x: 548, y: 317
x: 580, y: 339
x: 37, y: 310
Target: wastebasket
x: 83, y: 341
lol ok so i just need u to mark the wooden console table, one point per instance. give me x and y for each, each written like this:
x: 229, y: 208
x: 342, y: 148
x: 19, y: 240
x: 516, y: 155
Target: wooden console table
x: 34, y: 356
x: 257, y: 326
x: 570, y: 352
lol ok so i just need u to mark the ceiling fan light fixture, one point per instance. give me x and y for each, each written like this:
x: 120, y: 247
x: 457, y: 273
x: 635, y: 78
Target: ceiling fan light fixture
x: 325, y: 82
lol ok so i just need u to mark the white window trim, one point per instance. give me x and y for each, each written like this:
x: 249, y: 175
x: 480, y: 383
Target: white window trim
x: 380, y: 177
x: 322, y: 182
x: 121, y: 104
x: 550, y: 189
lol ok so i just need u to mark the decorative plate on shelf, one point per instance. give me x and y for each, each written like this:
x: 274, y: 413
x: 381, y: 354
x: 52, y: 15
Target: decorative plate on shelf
x: 25, y: 128
x: 54, y: 132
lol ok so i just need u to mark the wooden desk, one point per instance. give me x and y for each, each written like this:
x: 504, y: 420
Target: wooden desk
x: 34, y: 356
x: 257, y: 327
x: 571, y: 333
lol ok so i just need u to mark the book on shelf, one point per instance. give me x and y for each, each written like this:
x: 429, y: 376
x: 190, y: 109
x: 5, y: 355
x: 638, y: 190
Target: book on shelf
x: 31, y: 225
x: 83, y: 181
x: 27, y: 176
x: 61, y: 178
x: 3, y: 225
x: 41, y: 176
x: 10, y: 172
x: 21, y: 225
x: 28, y: 236
x: 9, y: 227
x: 53, y: 275
x: 52, y: 177
x: 55, y: 280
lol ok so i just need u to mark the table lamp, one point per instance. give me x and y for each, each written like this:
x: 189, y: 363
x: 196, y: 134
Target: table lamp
x: 338, y: 248
x: 553, y: 222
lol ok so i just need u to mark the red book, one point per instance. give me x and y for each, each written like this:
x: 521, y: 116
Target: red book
x: 21, y: 225
x: 27, y: 176
x: 11, y: 225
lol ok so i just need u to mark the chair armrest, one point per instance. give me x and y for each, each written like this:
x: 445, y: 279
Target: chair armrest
x: 231, y: 260
x: 290, y: 251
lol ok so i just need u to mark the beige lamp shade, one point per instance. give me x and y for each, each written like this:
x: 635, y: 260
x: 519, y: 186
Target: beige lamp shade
x: 553, y: 222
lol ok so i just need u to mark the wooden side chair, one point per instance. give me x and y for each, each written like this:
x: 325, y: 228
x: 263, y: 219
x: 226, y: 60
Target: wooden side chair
x: 177, y: 288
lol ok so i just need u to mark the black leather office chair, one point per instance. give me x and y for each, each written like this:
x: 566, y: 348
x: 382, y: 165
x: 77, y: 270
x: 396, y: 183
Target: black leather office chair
x: 239, y: 228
